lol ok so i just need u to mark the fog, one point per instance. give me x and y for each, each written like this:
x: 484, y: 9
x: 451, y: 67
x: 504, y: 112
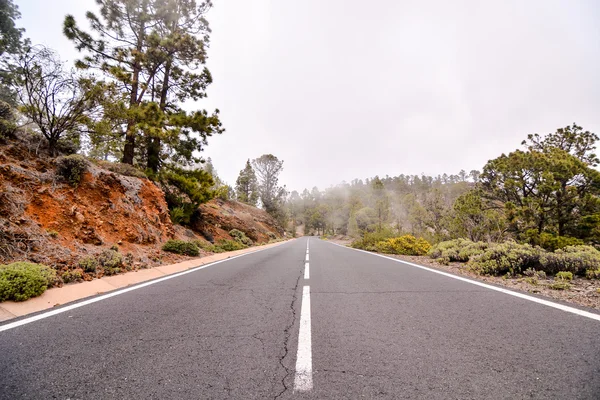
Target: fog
x: 347, y: 89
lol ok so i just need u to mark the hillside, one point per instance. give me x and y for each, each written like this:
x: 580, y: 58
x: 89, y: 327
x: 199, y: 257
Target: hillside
x: 45, y: 220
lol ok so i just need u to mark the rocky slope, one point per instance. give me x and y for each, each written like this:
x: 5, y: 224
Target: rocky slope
x: 44, y: 219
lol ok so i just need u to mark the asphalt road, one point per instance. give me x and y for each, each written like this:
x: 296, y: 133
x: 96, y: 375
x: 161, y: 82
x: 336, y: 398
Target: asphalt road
x: 370, y: 328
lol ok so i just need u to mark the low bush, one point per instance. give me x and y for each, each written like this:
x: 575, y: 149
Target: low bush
x: 370, y: 239
x: 592, y: 274
x: 229, y: 245
x: 407, y: 245
x: 74, y: 275
x: 457, y: 250
x: 88, y: 264
x: 181, y: 247
x: 271, y: 236
x: 22, y: 280
x: 111, y: 262
x: 241, y: 237
x: 564, y: 276
x: 71, y: 168
x: 506, y: 258
x: 574, y: 259
x: 560, y: 286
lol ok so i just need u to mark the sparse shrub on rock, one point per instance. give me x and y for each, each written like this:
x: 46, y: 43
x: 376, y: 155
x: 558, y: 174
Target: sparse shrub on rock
x: 74, y: 275
x: 88, y: 264
x: 181, y: 247
x: 241, y: 237
x: 111, y: 262
x: 22, y: 280
x: 71, y: 168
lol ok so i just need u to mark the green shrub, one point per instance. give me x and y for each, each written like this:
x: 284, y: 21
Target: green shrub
x: 229, y: 245
x: 271, y: 236
x: 560, y: 286
x: 22, y: 280
x: 52, y: 234
x: 241, y: 237
x: 71, y: 168
x: 506, y: 258
x: 564, y: 276
x: 592, y: 274
x: 575, y: 259
x: 457, y: 250
x: 8, y: 124
x: 88, y: 264
x: 407, y: 245
x: 111, y: 261
x: 181, y: 247
x: 370, y: 239
x: 179, y: 215
x: 72, y: 276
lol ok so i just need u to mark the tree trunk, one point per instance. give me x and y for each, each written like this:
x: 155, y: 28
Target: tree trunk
x: 154, y: 145
x: 129, y: 149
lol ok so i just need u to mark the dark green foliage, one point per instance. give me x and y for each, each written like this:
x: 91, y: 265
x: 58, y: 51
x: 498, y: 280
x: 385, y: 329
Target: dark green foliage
x: 22, y: 280
x: 181, y: 247
x: 71, y: 168
x: 184, y: 191
x: 8, y: 124
x: 549, y: 241
x: 241, y: 237
x: 246, y: 186
x: 111, y: 262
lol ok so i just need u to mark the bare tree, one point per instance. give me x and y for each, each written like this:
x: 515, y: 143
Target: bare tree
x: 52, y: 97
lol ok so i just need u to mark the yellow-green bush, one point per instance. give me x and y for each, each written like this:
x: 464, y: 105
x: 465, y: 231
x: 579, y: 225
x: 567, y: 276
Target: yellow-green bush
x: 506, y: 258
x: 22, y: 280
x: 564, y: 276
x: 457, y: 250
x: 407, y: 245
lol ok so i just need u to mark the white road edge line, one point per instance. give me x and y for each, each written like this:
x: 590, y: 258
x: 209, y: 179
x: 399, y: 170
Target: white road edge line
x: 306, y: 256
x: 306, y: 271
x: 115, y: 293
x: 485, y: 285
x: 303, y: 381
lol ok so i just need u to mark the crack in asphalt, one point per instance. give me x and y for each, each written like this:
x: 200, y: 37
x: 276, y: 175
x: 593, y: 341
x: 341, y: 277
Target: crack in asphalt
x: 288, y: 334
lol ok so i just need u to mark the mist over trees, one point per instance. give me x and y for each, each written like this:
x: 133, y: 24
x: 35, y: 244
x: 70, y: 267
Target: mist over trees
x: 546, y: 191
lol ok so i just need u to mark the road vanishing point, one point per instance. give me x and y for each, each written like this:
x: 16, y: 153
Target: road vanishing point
x: 309, y: 320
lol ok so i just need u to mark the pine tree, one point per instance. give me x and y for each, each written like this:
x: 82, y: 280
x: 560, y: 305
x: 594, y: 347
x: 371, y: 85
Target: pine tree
x: 246, y: 186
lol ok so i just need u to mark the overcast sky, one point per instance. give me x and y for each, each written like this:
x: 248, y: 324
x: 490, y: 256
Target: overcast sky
x: 344, y: 89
